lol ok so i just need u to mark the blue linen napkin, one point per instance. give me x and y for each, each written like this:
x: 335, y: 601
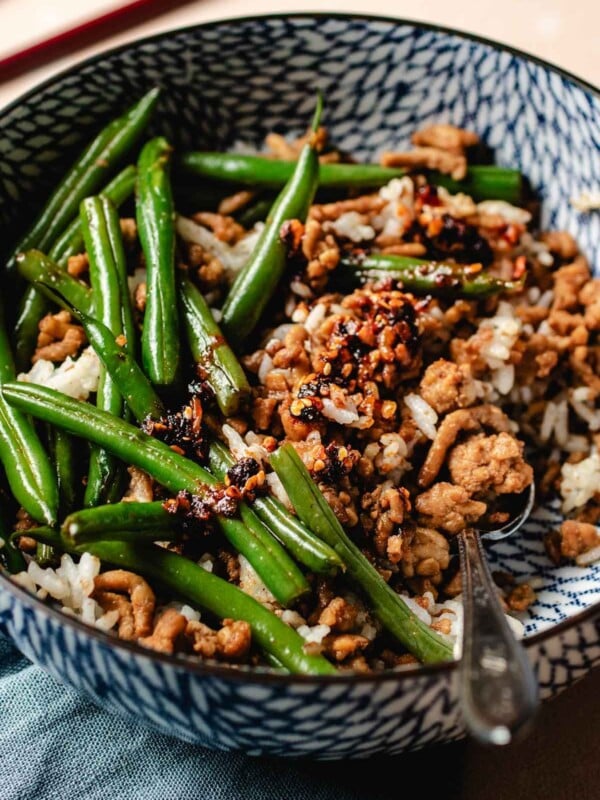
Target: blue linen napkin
x: 55, y: 744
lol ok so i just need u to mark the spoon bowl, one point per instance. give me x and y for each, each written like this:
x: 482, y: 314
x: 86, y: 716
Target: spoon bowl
x: 498, y: 688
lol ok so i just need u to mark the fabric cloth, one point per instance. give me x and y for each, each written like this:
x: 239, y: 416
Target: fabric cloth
x: 56, y: 744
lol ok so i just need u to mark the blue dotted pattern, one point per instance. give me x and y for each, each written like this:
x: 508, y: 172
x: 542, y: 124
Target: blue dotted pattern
x: 381, y: 80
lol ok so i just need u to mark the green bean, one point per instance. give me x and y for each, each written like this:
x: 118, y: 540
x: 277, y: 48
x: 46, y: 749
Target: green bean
x: 190, y: 581
x: 485, y: 182
x: 389, y: 607
x: 123, y: 439
x: 257, y: 281
x: 269, y: 560
x: 156, y: 227
x: 86, y: 176
x: 422, y: 275
x: 45, y: 555
x: 28, y: 469
x: 31, y: 309
x: 70, y: 242
x: 46, y: 275
x: 215, y: 360
x: 45, y: 535
x: 105, y: 253
x: 104, y: 522
x: 62, y: 451
x: 306, y: 548
x: 170, y: 469
x: 482, y: 182
x: 124, y: 370
x: 256, y: 211
x: 10, y: 555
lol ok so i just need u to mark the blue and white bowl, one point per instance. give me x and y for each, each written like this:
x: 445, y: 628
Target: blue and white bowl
x: 382, y: 79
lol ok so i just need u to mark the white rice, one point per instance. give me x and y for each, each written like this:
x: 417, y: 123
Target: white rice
x: 75, y: 378
x: 232, y: 257
x: 423, y: 414
x: 276, y: 486
x: 252, y: 585
x: 248, y: 448
x: 315, y: 317
x: 291, y: 618
x: 587, y: 201
x: 583, y: 402
x: 505, y: 328
x: 508, y: 212
x: 351, y: 225
x: 206, y: 561
x: 580, y: 482
x: 71, y: 584
x: 398, y: 212
x: 344, y: 415
x: 314, y: 634
x: 389, y: 457
x: 555, y: 422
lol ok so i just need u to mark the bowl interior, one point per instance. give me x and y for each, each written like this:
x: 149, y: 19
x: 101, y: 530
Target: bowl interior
x: 240, y: 79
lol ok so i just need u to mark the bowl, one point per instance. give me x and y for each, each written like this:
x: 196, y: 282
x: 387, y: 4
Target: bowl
x: 381, y: 78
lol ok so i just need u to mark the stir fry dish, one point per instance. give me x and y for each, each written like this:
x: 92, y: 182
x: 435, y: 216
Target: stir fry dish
x: 249, y: 398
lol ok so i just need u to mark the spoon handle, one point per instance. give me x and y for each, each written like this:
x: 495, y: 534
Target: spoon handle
x: 498, y: 688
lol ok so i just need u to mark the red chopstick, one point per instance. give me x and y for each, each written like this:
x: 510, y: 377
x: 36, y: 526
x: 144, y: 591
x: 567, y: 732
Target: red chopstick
x: 84, y: 34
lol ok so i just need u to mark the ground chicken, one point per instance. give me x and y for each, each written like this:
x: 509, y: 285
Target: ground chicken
x: 448, y: 507
x: 447, y: 386
x: 568, y: 281
x: 339, y: 615
x: 428, y: 158
x: 577, y: 538
x: 58, y: 338
x: 483, y: 463
x: 445, y: 137
x: 427, y: 555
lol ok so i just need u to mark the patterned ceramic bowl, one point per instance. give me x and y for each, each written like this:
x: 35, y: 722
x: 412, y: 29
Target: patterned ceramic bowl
x: 382, y: 78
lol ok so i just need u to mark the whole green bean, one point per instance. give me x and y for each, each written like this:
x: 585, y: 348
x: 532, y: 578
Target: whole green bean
x: 49, y: 277
x: 483, y: 182
x: 257, y: 281
x: 170, y: 469
x: 424, y: 276
x: 70, y: 242
x: 156, y: 227
x: 107, y: 260
x: 187, y: 579
x: 301, y: 542
x: 28, y: 470
x: 389, y: 607
x: 215, y: 360
x: 91, y: 524
x: 86, y: 176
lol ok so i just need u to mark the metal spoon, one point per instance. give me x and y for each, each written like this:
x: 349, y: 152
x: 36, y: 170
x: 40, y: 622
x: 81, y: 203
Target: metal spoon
x: 498, y: 688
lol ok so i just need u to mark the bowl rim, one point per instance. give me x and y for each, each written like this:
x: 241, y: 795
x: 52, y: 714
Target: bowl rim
x: 254, y: 674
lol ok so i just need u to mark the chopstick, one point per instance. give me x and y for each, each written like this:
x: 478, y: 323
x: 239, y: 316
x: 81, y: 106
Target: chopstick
x: 84, y: 34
